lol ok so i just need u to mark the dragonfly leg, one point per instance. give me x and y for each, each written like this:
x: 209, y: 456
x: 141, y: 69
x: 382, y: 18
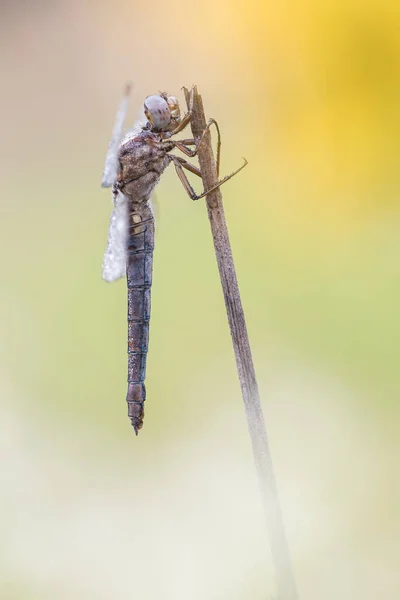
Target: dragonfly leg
x: 186, y: 119
x: 182, y: 144
x: 111, y: 166
x: 187, y: 165
x: 180, y: 164
x: 213, y: 122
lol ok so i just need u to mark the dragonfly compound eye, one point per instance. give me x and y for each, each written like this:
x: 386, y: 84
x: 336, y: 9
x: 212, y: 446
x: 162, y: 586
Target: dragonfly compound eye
x: 157, y: 112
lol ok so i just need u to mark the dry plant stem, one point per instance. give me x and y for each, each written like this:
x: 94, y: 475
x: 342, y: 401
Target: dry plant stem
x: 279, y: 548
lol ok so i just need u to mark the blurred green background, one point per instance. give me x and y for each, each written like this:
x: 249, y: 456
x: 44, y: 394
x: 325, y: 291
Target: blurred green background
x: 309, y: 93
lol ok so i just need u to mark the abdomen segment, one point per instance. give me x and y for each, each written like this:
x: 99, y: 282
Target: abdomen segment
x: 139, y: 268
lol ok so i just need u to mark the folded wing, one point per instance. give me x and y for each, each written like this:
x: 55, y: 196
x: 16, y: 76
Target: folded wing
x: 111, y: 166
x: 114, y: 262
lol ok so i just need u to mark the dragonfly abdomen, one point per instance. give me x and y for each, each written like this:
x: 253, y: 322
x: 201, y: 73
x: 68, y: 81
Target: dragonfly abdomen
x: 139, y: 267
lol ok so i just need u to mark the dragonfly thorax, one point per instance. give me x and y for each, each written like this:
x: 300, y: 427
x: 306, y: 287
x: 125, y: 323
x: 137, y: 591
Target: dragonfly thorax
x: 142, y: 161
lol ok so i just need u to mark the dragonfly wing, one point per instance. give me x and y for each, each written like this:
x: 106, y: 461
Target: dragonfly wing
x: 114, y: 262
x: 111, y: 166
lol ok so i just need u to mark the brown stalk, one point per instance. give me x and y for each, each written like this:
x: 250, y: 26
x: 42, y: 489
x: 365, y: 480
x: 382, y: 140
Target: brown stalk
x: 255, y: 420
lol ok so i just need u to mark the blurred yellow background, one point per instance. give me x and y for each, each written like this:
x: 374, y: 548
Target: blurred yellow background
x: 309, y: 93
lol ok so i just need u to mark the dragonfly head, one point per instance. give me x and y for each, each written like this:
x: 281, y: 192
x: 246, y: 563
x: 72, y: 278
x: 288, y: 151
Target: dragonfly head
x: 162, y: 112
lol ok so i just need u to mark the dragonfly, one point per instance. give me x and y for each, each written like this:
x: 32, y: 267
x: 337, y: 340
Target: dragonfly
x: 134, y: 164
